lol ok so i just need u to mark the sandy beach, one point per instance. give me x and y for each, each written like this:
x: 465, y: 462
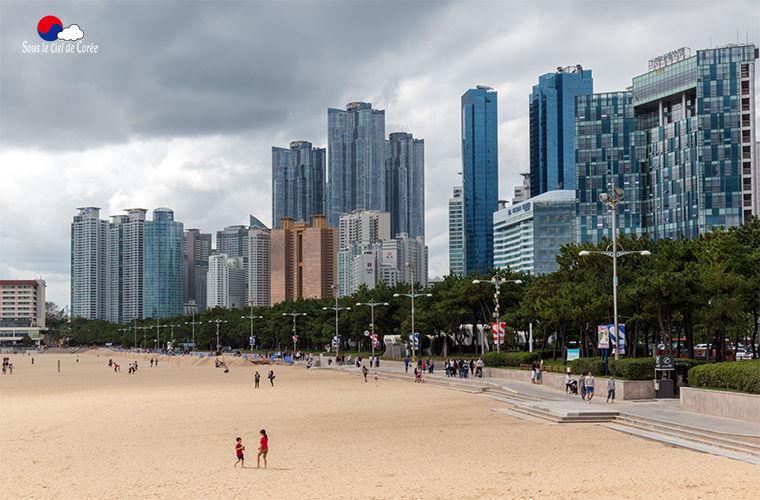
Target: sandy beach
x: 169, y: 432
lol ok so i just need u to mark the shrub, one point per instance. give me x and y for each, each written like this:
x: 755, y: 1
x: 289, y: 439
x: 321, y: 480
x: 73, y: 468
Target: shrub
x: 633, y: 368
x: 585, y: 365
x: 495, y: 359
x: 743, y: 376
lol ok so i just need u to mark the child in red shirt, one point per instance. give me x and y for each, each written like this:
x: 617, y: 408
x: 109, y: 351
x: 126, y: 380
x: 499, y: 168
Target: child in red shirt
x: 239, y: 449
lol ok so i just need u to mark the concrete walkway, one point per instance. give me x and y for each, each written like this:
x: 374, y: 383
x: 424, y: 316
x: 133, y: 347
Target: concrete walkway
x: 660, y: 419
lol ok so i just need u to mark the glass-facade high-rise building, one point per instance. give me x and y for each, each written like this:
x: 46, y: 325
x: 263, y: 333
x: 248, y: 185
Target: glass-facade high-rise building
x: 480, y: 176
x: 552, y: 128
x: 689, y: 161
x: 606, y: 156
x: 356, y: 160
x: 162, y: 285
x: 196, y: 251
x: 405, y: 181
x: 298, y: 182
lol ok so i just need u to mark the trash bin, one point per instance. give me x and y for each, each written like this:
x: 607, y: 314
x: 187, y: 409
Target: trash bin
x: 666, y: 389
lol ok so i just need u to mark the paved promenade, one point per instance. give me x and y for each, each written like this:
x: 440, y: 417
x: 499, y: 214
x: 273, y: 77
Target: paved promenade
x: 659, y: 419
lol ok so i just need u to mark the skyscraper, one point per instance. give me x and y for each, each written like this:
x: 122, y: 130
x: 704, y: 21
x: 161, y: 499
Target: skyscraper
x: 480, y: 176
x: 405, y: 181
x: 197, y: 249
x: 552, y: 128
x: 356, y: 160
x: 88, y: 264
x: 298, y: 182
x: 162, y: 286
x: 360, y: 234
x: 259, y: 267
x: 456, y: 233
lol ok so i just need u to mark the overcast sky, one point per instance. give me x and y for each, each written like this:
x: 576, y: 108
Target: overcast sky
x: 183, y: 100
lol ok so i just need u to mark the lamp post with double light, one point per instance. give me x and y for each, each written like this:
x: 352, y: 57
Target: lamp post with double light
x: 611, y: 200
x: 295, y: 337
x: 217, y: 321
x: 251, y: 317
x: 372, y: 305
x: 412, y: 296
x: 497, y: 280
x: 193, y: 322
x: 336, y: 309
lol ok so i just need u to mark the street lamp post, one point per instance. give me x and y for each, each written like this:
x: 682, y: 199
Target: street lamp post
x: 135, y: 324
x: 251, y: 317
x: 612, y: 200
x: 158, y: 329
x: 336, y: 309
x: 413, y: 295
x: 294, y: 314
x: 193, y: 322
x: 217, y: 321
x: 372, y: 305
x: 497, y: 280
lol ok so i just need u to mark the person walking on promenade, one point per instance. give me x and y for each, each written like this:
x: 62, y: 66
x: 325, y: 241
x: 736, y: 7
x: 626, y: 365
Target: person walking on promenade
x: 239, y: 449
x: 256, y: 378
x: 582, y: 387
x: 590, y: 387
x: 533, y: 373
x: 263, y: 448
x: 539, y: 372
x: 611, y: 389
x: 271, y: 377
x: 406, y: 364
x: 568, y: 381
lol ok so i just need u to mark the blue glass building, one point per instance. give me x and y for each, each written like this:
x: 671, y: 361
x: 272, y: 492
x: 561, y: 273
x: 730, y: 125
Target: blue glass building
x: 688, y: 161
x: 606, y: 156
x: 162, y: 283
x: 298, y: 182
x: 405, y: 184
x: 552, y: 128
x: 480, y: 176
x: 356, y: 160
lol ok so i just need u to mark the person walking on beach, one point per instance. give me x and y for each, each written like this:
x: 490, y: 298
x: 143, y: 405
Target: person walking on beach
x: 364, y: 372
x: 582, y: 387
x: 611, y: 389
x: 271, y: 377
x: 263, y: 448
x: 590, y: 387
x: 239, y: 449
x: 256, y: 380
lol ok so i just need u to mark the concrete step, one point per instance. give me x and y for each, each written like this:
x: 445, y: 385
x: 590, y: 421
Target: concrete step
x: 684, y: 443
x: 523, y: 416
x: 700, y: 436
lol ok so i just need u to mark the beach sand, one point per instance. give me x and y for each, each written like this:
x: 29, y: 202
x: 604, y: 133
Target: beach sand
x: 169, y: 432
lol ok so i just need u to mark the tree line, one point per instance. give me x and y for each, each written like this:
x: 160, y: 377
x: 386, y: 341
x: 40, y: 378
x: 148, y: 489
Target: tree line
x: 701, y: 290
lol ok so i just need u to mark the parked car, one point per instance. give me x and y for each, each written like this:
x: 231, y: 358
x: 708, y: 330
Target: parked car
x: 743, y: 354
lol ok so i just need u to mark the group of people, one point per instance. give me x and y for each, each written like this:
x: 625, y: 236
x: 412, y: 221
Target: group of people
x: 8, y: 366
x: 462, y: 368
x: 257, y: 378
x: 371, y: 360
x: 263, y: 450
x: 586, y: 387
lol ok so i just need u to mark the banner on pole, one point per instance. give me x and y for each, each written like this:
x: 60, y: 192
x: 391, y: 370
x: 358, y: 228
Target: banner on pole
x: 613, y: 337
x: 295, y: 338
x: 374, y: 340
x: 498, y: 329
x: 603, y: 337
x: 415, y: 341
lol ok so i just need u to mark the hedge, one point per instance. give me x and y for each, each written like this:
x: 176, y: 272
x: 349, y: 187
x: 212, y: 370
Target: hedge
x: 626, y: 368
x: 743, y: 376
x: 495, y: 359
